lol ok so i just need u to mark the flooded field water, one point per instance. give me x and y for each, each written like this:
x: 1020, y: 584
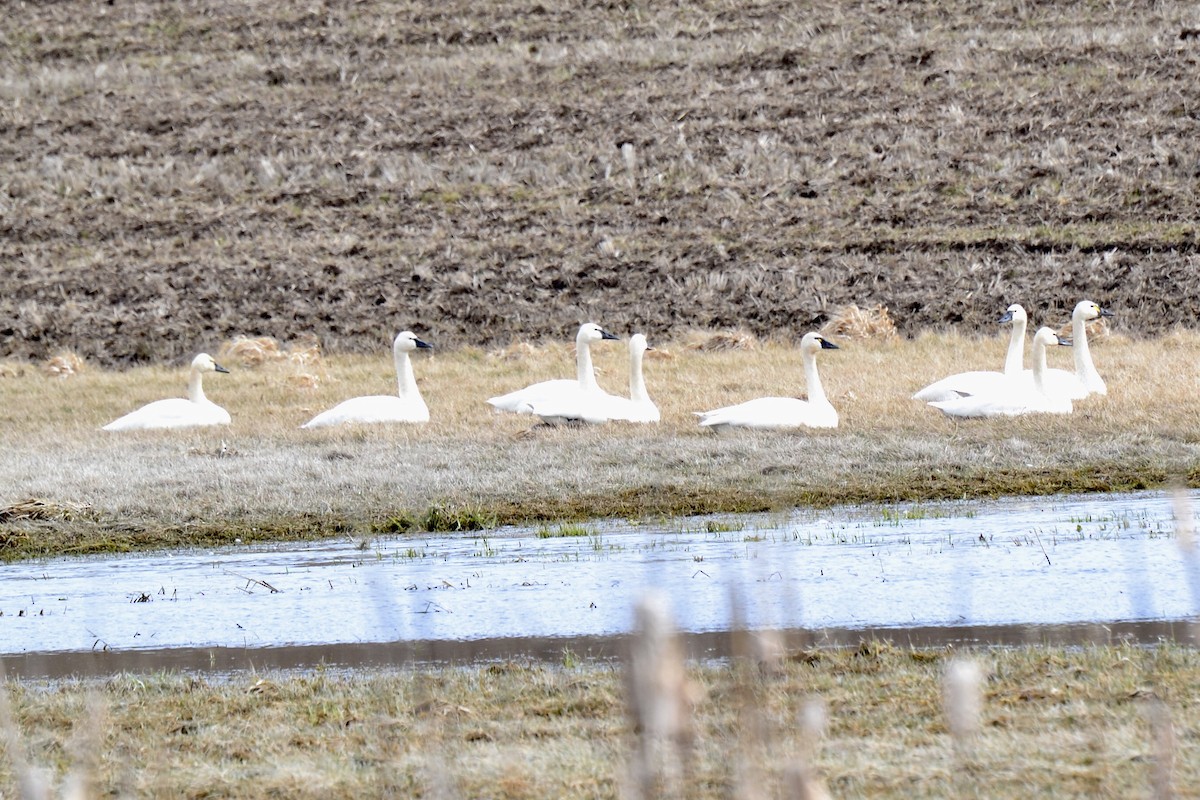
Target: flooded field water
x: 1053, y: 568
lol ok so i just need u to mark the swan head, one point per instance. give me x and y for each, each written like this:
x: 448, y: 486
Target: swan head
x: 638, y: 343
x: 1049, y: 338
x: 591, y: 332
x: 812, y: 342
x: 206, y: 363
x: 407, y: 341
x: 1014, y: 313
x: 1087, y: 309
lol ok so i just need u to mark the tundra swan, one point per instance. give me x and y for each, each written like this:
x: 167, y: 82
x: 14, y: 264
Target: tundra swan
x: 560, y: 390
x: 599, y: 406
x: 1085, y: 379
x: 178, y: 412
x: 964, y: 383
x: 780, y: 413
x: 1017, y: 395
x: 406, y: 406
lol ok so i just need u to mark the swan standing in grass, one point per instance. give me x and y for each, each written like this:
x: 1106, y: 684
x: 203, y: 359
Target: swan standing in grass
x: 965, y: 383
x: 781, y: 413
x: 597, y: 407
x: 560, y: 391
x: 406, y: 406
x: 1017, y: 396
x: 178, y: 412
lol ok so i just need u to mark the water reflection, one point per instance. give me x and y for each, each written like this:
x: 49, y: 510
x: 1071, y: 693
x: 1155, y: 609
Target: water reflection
x: 1060, y: 563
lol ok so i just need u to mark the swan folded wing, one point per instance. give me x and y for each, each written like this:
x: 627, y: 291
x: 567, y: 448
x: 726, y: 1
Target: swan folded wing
x: 370, y: 410
x: 961, y: 384
x: 772, y: 413
x: 557, y: 391
x: 171, y: 413
x: 1019, y: 399
x: 591, y: 407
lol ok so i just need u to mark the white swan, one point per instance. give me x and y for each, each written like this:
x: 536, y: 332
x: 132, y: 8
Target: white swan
x: 1017, y: 395
x: 781, y: 413
x: 560, y: 390
x: 599, y: 406
x: 406, y: 406
x: 964, y: 383
x: 1085, y: 380
x: 178, y: 412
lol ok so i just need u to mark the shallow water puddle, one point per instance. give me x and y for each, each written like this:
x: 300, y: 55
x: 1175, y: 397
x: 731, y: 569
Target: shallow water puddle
x: 1059, y: 561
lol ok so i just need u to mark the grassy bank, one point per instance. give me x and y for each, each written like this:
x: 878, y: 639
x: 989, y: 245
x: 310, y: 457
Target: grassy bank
x: 263, y: 478
x: 1106, y: 721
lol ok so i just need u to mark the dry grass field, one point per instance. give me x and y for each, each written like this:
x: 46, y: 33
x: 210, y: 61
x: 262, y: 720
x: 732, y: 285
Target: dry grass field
x: 264, y: 478
x: 491, y: 174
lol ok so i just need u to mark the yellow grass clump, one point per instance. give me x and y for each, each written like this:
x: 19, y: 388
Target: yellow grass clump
x: 852, y: 322
x: 35, y: 508
x: 250, y: 352
x: 708, y: 341
x: 63, y: 365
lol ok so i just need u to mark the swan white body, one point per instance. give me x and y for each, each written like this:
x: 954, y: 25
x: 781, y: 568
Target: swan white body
x: 783, y: 413
x: 1018, y: 395
x: 405, y: 406
x: 984, y: 381
x: 598, y: 407
x: 562, y: 393
x: 177, y: 412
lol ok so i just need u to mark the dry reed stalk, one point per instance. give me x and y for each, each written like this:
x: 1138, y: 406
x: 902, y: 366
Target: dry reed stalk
x: 852, y: 322
x: 11, y: 369
x: 1163, y: 745
x: 63, y: 365
x: 660, y: 701
x: 963, y: 702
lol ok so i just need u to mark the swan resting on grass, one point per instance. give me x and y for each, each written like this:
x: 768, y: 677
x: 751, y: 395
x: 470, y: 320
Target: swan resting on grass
x: 562, y: 391
x: 782, y: 413
x: 406, y: 406
x: 1085, y: 380
x: 1018, y: 395
x: 178, y: 412
x: 975, y: 382
x: 599, y: 406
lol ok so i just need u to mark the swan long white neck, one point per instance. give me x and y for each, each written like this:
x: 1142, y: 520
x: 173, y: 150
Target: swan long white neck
x: 406, y: 381
x: 1085, y: 370
x: 1014, y: 362
x: 816, y: 392
x: 583, y: 364
x: 637, y: 383
x: 196, y: 386
x: 1039, y: 367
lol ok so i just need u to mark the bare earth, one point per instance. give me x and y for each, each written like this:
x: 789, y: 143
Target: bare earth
x: 175, y: 174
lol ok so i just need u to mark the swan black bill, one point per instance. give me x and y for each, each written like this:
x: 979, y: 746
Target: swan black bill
x: 1104, y: 312
x: 219, y: 368
x: 828, y: 345
x: 421, y: 344
x: 606, y: 335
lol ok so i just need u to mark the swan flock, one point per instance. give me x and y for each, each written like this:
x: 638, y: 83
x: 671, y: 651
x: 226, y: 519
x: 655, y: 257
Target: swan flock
x: 1013, y: 390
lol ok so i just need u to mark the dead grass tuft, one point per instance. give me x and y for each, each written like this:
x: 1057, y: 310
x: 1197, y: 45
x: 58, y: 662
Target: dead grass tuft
x: 250, y: 353
x: 852, y: 322
x: 709, y: 341
x: 1098, y: 330
x: 11, y: 369
x: 37, y: 508
x: 63, y: 365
